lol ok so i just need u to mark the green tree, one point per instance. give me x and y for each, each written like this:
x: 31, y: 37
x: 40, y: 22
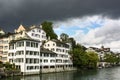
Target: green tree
x: 111, y: 58
x: 79, y: 56
x: 92, y: 59
x: 73, y: 42
x: 48, y: 28
x: 7, y: 65
x: 83, y: 59
x: 64, y: 37
x: 1, y: 64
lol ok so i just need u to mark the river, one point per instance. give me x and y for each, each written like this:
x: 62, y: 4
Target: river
x: 100, y: 74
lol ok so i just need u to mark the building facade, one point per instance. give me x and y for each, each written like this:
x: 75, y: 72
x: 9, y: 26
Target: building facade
x: 33, y: 32
x: 63, y: 58
x: 4, y: 47
x: 25, y: 54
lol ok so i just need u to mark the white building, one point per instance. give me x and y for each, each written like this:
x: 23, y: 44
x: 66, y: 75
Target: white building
x: 31, y: 57
x: 101, y: 54
x: 4, y: 47
x: 34, y: 32
x: 25, y: 54
x: 63, y: 59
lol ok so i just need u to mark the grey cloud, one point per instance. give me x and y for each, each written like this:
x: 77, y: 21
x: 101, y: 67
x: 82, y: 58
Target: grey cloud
x: 29, y: 12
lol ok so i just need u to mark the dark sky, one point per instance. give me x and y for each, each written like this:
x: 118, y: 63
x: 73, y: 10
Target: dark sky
x: 30, y: 12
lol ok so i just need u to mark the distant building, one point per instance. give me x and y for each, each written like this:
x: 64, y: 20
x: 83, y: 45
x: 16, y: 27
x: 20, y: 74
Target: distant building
x: 101, y: 53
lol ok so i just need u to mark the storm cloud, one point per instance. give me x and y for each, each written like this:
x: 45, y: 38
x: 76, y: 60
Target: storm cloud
x: 30, y: 12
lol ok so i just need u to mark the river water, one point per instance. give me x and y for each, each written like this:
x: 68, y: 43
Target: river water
x: 100, y: 74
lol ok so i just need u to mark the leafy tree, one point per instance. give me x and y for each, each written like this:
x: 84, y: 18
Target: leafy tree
x: 1, y: 64
x: 111, y: 58
x: 8, y: 65
x: 48, y: 28
x: 92, y: 59
x: 84, y: 59
x: 79, y: 56
x: 64, y: 37
x: 73, y: 42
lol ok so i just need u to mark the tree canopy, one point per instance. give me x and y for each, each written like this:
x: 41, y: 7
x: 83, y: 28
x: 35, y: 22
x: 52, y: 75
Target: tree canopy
x: 84, y: 59
x: 64, y: 37
x: 48, y: 28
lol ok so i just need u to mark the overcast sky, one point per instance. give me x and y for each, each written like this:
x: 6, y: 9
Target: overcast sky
x: 90, y: 22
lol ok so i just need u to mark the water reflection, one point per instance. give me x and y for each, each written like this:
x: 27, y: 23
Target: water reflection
x: 102, y: 74
x: 51, y: 76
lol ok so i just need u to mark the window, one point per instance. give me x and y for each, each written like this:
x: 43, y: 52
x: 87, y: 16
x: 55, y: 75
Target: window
x: 32, y: 34
x: 36, y: 60
x: 31, y: 52
x: 5, y: 52
x: 45, y: 60
x: 11, y: 46
x: 6, y: 47
x: 1, y: 42
x: 52, y: 60
x: 52, y: 66
x: 36, y: 45
x: 28, y: 43
x: 27, y: 52
x: 20, y: 44
x: 20, y: 53
x: 19, y: 60
x: 32, y: 45
x: 40, y: 60
x: 33, y: 30
x: 5, y: 42
x: 1, y: 47
x: 46, y: 55
x: 48, y: 45
x: 39, y: 30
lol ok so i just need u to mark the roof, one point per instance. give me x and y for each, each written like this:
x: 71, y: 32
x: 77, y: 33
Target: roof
x: 28, y: 28
x: 60, y: 43
x: 26, y: 37
x: 46, y: 50
x: 101, y: 49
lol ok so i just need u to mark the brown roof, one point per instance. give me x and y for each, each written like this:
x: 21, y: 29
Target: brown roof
x: 46, y: 50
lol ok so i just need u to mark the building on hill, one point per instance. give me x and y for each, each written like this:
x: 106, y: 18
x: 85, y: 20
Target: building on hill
x: 101, y: 53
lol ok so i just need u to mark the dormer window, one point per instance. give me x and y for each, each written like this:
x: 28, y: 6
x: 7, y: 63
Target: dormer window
x: 48, y: 45
x: 33, y: 30
x: 32, y: 34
